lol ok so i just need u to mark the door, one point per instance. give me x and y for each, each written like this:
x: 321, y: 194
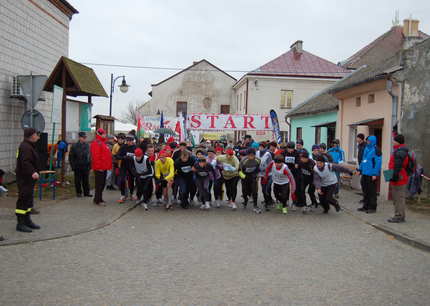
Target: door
x: 181, y: 107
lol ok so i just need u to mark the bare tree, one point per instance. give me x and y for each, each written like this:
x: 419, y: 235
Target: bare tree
x: 129, y: 116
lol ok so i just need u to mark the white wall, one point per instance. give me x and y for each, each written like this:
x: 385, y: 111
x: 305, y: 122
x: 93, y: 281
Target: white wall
x: 266, y: 94
x: 31, y: 41
x: 192, y: 86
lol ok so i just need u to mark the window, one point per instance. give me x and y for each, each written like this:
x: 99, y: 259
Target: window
x: 181, y: 107
x: 371, y: 98
x: 318, y: 135
x: 299, y: 133
x: 225, y: 109
x: 286, y: 99
x: 358, y: 101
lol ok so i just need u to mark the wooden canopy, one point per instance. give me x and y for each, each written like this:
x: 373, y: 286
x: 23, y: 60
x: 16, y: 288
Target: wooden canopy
x: 80, y: 80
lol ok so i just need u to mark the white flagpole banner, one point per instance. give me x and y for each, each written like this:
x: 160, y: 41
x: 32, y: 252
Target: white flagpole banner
x: 229, y: 122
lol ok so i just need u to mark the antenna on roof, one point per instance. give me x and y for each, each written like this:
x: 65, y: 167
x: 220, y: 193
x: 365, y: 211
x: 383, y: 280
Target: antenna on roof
x: 396, y: 20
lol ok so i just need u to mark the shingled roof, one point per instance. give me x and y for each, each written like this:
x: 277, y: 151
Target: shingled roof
x: 319, y: 103
x: 80, y: 79
x: 385, y: 46
x: 369, y: 73
x: 301, y: 64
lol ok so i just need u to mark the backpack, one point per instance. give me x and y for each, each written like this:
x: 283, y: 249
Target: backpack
x: 411, y: 167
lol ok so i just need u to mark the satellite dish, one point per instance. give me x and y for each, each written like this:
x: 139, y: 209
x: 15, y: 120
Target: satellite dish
x: 38, y: 120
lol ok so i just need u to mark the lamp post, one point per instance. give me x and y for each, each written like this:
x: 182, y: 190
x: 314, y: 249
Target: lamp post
x: 123, y: 88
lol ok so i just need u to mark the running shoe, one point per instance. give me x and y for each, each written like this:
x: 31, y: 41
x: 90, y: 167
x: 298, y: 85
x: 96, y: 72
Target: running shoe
x: 121, y: 200
x: 284, y: 210
x: 145, y: 206
x: 207, y: 205
x: 233, y: 206
x: 257, y: 210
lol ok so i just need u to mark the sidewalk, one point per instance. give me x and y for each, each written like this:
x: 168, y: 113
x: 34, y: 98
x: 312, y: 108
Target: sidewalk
x: 61, y: 219
x: 415, y: 231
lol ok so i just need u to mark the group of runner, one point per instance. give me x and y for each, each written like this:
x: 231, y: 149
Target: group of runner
x: 210, y: 173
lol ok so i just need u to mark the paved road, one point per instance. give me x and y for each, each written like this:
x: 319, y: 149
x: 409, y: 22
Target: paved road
x: 218, y: 257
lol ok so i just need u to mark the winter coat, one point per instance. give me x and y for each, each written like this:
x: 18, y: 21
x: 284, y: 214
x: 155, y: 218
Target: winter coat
x: 372, y: 159
x: 337, y: 154
x: 361, y: 148
x: 399, y: 160
x: 230, y: 166
x: 184, y: 168
x: 27, y: 162
x: 101, y: 156
x: 79, y: 156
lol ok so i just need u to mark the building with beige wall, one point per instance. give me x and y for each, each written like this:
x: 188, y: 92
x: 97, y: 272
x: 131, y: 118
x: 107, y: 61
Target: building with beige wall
x: 282, y: 84
x: 199, y: 88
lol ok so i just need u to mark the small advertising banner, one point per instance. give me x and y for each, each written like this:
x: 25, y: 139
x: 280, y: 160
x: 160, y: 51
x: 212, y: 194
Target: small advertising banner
x: 227, y: 122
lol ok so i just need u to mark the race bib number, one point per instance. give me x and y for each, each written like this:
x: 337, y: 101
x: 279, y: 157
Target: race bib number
x: 250, y: 170
x: 306, y: 172
x: 228, y: 167
x: 290, y: 159
x: 186, y: 169
x: 203, y: 173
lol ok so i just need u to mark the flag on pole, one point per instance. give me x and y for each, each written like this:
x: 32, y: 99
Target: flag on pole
x: 140, y: 129
x: 162, y: 120
x: 178, y: 129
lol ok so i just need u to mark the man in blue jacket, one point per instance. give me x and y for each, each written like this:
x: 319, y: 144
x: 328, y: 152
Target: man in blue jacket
x: 370, y: 169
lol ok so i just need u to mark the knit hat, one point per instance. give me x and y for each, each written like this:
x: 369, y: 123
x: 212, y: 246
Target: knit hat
x: 229, y: 152
x: 315, y: 147
x: 300, y: 141
x: 399, y: 138
x: 138, y: 152
x: 28, y: 132
x: 101, y: 131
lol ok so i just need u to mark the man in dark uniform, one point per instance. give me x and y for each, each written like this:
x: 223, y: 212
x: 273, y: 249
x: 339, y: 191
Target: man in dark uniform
x: 26, y: 176
x: 79, y: 158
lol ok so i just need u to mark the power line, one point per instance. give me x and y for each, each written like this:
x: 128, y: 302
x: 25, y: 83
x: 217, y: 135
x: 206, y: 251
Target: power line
x: 227, y: 70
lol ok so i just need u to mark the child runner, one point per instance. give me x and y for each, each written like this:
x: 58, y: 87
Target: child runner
x: 325, y: 181
x: 306, y: 166
x: 204, y: 174
x: 283, y: 181
x: 230, y: 175
x: 217, y: 181
x: 184, y: 176
x: 250, y: 167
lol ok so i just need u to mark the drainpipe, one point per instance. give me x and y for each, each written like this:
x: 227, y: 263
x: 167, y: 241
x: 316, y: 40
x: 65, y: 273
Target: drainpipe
x: 394, y: 107
x: 246, y: 98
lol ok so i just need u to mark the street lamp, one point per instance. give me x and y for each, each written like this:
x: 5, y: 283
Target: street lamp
x: 123, y: 88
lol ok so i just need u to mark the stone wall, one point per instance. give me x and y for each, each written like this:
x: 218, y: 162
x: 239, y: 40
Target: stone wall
x: 34, y: 35
x: 415, y: 123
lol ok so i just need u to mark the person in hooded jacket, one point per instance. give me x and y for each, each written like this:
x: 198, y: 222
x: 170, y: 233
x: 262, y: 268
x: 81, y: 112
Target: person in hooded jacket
x: 101, y: 161
x: 370, y: 170
x: 250, y: 168
x: 338, y: 156
x: 399, y: 161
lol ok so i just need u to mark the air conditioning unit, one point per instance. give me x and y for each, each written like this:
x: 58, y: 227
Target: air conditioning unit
x: 16, y: 91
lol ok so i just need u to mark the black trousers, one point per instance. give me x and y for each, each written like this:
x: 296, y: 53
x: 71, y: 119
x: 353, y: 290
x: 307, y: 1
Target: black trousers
x: 100, y: 182
x: 203, y: 189
x: 126, y: 177
x: 218, y: 188
x: 369, y: 192
x: 24, y: 204
x: 307, y: 180
x: 298, y: 177
x: 250, y: 189
x: 186, y: 188
x: 267, y: 191
x: 231, y: 188
x: 144, y: 187
x: 82, y: 181
x: 282, y: 193
x: 327, y: 197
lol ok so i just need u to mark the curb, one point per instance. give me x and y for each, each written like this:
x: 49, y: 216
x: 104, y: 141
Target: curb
x: 402, y: 237
x: 71, y: 234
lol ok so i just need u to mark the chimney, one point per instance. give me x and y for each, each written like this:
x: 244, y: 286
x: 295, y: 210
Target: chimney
x: 410, y: 28
x: 297, y: 47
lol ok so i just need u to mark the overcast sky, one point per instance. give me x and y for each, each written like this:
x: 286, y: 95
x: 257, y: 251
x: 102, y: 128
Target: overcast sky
x: 233, y: 35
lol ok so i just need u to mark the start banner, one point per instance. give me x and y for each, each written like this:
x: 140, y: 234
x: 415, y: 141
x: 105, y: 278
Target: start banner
x: 227, y: 122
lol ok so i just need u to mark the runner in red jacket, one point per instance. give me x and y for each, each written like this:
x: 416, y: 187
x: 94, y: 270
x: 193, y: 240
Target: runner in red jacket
x: 101, y: 161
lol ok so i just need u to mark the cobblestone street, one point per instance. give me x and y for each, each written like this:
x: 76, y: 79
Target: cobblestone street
x: 218, y: 257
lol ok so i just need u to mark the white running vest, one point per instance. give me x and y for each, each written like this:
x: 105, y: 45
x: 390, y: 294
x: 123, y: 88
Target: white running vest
x: 327, y: 176
x: 141, y: 167
x: 278, y: 176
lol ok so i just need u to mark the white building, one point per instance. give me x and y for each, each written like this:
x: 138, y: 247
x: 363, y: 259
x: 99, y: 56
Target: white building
x: 282, y: 84
x: 199, y: 88
x: 34, y: 35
